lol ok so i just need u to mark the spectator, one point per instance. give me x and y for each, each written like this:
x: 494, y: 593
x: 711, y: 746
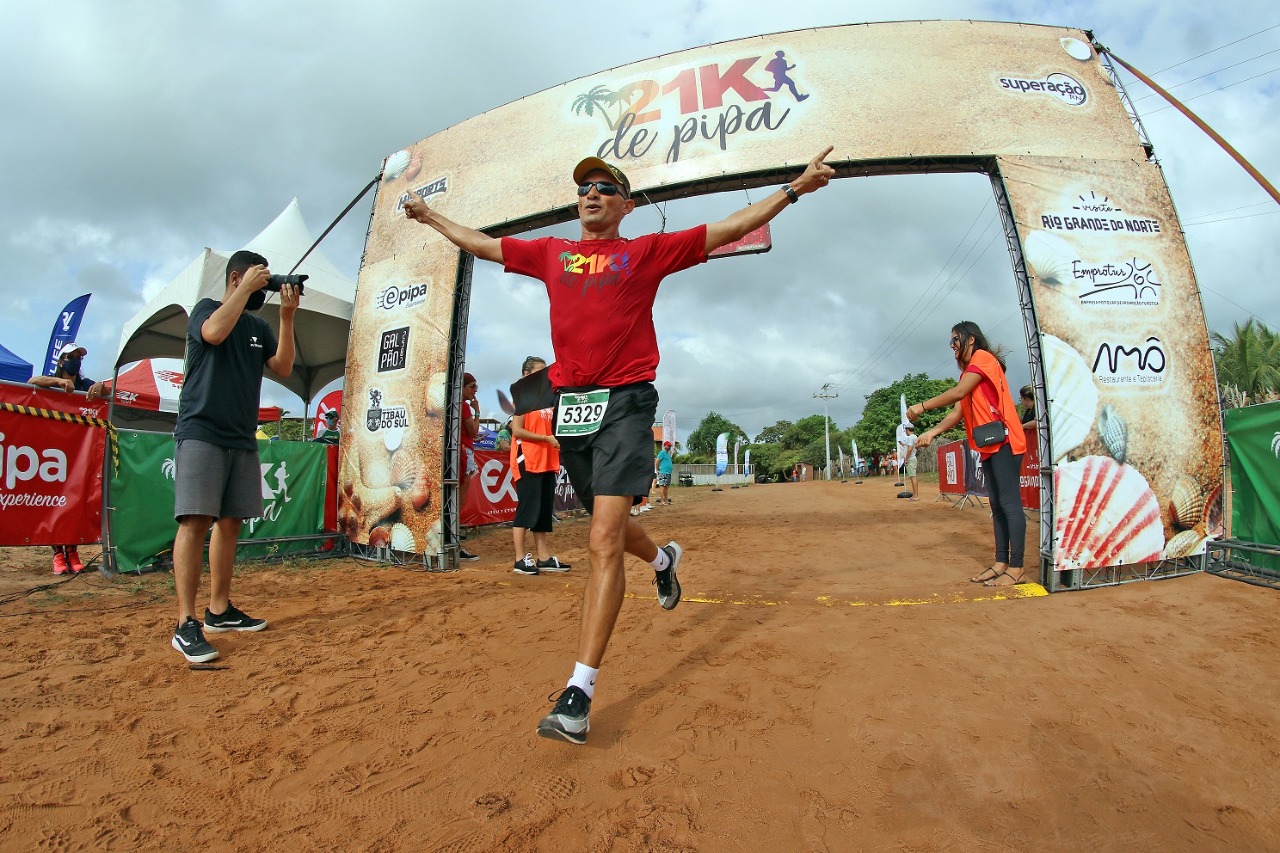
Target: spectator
x: 330, y: 434
x: 664, y: 468
x: 1028, y: 396
x: 535, y: 464
x: 984, y: 400
x: 467, y: 467
x: 504, y: 437
x: 67, y: 377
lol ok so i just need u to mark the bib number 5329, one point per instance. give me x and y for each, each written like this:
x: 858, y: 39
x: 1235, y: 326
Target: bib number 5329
x: 581, y: 414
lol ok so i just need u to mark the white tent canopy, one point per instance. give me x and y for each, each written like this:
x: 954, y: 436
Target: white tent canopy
x: 320, y: 327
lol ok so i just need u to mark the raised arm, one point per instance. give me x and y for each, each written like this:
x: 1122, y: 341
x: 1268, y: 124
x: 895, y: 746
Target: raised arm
x: 468, y: 239
x: 738, y: 225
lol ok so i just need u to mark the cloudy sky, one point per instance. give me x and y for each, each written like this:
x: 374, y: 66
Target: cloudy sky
x: 137, y: 132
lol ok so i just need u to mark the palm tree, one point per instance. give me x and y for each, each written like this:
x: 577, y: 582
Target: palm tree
x: 1249, y: 360
x: 601, y: 97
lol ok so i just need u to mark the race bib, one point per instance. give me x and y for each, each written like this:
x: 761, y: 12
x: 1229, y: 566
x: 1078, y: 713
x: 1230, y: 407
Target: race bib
x: 581, y: 414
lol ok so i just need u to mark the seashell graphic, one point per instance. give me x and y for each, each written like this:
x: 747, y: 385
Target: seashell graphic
x: 404, y: 469
x: 1072, y: 396
x: 1114, y: 432
x: 1186, y: 503
x: 1185, y: 543
x: 396, y: 164
x: 379, y: 537
x: 1213, y: 514
x: 402, y: 538
x: 414, y: 167
x: 1105, y: 514
x: 1076, y: 49
x: 436, y: 393
x: 433, y: 538
x: 1051, y: 258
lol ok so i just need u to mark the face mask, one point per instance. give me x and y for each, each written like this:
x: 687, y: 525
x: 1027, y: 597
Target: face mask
x: 71, y: 366
x: 256, y: 300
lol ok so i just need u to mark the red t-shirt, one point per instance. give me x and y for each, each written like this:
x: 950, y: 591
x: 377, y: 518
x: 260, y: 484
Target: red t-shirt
x: 468, y: 412
x: 602, y: 294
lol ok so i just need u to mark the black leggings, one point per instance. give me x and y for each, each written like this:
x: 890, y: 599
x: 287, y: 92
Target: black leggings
x: 1002, y: 472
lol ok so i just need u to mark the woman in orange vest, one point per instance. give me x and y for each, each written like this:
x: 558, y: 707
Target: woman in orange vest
x: 995, y: 432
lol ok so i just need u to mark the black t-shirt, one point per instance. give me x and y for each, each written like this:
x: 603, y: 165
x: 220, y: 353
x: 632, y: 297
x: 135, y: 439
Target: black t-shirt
x: 219, y: 402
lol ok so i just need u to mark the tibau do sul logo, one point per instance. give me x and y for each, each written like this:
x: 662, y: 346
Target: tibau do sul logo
x: 712, y: 103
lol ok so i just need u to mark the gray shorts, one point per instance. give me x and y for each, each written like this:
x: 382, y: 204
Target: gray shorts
x: 220, y: 482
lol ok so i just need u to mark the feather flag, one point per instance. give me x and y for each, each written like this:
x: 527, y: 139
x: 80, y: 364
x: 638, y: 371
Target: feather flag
x: 746, y: 463
x: 722, y: 453
x: 669, y: 427
x: 65, y: 329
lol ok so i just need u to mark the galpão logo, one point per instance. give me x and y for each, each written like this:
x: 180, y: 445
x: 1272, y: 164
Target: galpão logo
x: 1064, y: 87
x: 688, y: 106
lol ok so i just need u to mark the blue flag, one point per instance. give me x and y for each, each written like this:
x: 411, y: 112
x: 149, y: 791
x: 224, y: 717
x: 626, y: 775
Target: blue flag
x: 64, y: 332
x: 722, y: 453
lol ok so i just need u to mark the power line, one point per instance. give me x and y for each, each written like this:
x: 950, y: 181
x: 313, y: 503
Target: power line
x: 1209, y: 74
x: 1219, y: 89
x: 1216, y: 49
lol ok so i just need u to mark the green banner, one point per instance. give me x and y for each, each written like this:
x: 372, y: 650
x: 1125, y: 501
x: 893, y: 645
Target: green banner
x: 142, y: 526
x: 1253, y: 438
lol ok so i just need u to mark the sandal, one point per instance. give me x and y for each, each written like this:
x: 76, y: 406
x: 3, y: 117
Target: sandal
x: 1021, y: 579
x: 988, y: 574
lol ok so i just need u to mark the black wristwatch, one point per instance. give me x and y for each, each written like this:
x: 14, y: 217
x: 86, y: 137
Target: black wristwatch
x: 791, y: 194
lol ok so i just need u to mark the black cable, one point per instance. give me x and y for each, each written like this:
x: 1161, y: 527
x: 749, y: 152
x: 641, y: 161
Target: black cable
x: 332, y: 224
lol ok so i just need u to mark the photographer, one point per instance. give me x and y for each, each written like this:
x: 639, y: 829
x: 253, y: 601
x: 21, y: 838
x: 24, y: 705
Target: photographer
x: 216, y: 460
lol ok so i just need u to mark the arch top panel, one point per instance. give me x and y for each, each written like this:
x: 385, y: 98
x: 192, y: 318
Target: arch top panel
x: 874, y: 91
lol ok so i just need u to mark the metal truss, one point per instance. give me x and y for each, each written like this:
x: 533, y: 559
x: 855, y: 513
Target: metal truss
x: 1131, y: 573
x: 1230, y: 559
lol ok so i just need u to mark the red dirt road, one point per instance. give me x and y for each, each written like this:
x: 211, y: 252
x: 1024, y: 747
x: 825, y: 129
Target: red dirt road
x: 831, y: 682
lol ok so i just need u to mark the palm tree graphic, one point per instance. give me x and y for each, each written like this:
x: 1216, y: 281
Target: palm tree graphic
x: 599, y: 98
x: 166, y: 468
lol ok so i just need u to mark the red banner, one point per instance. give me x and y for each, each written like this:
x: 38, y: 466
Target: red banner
x: 492, y: 496
x: 951, y: 462
x: 1029, y: 476
x: 50, y: 469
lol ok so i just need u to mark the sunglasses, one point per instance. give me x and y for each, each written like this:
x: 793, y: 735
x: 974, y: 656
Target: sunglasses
x: 955, y: 342
x: 604, y: 188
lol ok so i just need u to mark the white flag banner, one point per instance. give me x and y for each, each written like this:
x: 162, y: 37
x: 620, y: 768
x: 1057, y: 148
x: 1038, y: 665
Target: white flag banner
x: 746, y: 462
x: 901, y: 440
x: 902, y: 406
x: 841, y: 450
x: 857, y: 460
x: 722, y: 453
x: 669, y: 428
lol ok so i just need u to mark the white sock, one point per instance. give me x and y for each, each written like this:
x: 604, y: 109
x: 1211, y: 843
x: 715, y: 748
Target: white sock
x: 661, y: 562
x: 584, y: 678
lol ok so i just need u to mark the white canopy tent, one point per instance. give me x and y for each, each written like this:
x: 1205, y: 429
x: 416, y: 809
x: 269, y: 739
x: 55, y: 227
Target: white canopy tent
x: 320, y: 327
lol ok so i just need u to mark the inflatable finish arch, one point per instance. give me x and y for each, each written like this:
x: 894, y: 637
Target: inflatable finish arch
x: 1130, y: 436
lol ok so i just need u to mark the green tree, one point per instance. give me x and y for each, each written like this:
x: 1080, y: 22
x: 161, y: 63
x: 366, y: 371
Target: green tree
x: 773, y: 434
x: 876, y: 431
x: 702, y: 441
x: 1249, y: 360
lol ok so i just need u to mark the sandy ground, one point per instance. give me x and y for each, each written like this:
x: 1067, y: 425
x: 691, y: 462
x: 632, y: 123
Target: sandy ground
x: 831, y: 682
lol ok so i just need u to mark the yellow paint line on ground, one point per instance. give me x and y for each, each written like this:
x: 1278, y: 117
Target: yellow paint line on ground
x: 1009, y: 593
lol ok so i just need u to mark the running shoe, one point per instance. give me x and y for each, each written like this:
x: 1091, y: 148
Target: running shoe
x: 666, y: 581
x: 526, y: 565
x: 189, y: 640
x: 568, y: 719
x: 553, y: 565
x: 464, y: 554
x: 60, y: 566
x: 73, y: 561
x: 231, y: 620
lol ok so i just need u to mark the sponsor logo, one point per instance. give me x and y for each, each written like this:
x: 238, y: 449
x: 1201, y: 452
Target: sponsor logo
x: 378, y: 416
x: 127, y: 397
x: 1064, y: 87
x: 22, y: 464
x: 169, y: 469
x: 439, y: 186
x: 495, y: 481
x: 67, y: 317
x: 403, y: 297
x: 1120, y: 363
x: 393, y: 350
x: 253, y: 342
x: 694, y: 107
x: 274, y: 482
x: 1133, y: 282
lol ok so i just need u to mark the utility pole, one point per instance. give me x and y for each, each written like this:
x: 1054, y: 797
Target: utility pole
x: 824, y: 395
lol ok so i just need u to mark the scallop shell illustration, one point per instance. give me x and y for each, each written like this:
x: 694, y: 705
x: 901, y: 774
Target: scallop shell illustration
x: 433, y: 538
x: 436, y: 393
x: 1051, y: 258
x: 402, y: 538
x: 379, y: 537
x: 1186, y: 503
x: 1213, y: 514
x: 396, y: 164
x: 1114, y: 432
x: 1073, y: 396
x: 1185, y: 543
x: 1105, y: 515
x: 415, y: 166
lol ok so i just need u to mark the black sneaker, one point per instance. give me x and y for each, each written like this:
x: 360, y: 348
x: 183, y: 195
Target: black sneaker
x: 189, y: 640
x: 553, y: 565
x: 464, y: 554
x: 526, y: 566
x: 666, y: 581
x: 568, y: 719
x: 231, y: 620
